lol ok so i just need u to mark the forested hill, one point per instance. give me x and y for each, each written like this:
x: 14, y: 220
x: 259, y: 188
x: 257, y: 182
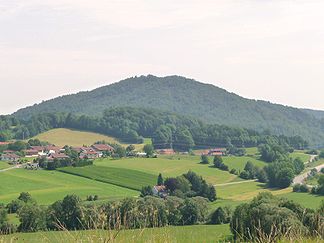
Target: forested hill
x: 188, y: 97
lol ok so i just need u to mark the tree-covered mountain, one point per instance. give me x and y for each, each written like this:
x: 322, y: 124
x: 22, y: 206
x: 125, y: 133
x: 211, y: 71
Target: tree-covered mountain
x: 130, y: 125
x: 188, y: 97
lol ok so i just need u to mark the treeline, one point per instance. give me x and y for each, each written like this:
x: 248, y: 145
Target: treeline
x: 265, y: 219
x: 167, y: 130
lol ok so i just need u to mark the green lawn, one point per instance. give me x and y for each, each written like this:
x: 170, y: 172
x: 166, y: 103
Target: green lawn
x: 179, y: 234
x: 170, y: 166
x: 49, y: 186
x: 132, y: 179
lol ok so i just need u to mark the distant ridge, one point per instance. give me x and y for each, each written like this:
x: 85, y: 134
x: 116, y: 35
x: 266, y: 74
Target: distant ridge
x: 189, y: 97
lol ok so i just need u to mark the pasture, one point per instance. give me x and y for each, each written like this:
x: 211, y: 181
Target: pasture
x: 49, y: 186
x: 63, y: 136
x: 132, y: 179
x: 179, y: 234
x: 170, y: 166
x: 4, y: 165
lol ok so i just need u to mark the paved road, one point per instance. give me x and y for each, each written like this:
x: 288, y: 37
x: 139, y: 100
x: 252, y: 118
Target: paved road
x: 300, y: 178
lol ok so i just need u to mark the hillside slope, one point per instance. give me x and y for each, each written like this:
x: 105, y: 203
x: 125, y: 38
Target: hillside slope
x: 188, y: 97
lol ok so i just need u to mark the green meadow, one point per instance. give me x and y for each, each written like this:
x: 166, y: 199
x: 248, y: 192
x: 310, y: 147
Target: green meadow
x: 63, y: 136
x: 132, y: 179
x: 49, y: 186
x: 4, y: 165
x: 174, y: 165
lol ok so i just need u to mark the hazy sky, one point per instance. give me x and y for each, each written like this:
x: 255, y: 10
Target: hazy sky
x: 263, y: 49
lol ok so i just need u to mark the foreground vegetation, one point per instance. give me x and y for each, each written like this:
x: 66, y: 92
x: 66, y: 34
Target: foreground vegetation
x: 181, y: 234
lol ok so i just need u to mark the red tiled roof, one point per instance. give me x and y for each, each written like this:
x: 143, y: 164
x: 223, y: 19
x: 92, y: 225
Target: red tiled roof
x: 11, y: 156
x: 4, y: 143
x: 59, y: 156
x: 103, y: 147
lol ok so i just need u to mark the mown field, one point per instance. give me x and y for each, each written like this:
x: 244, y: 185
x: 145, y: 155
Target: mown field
x: 132, y: 179
x: 197, y: 233
x: 175, y: 165
x: 49, y: 186
x: 63, y: 136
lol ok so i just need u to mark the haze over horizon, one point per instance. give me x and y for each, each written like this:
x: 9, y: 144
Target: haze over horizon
x: 263, y: 50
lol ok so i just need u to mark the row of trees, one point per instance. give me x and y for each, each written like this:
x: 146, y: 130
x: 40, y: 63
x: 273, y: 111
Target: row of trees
x: 166, y: 129
x: 72, y: 214
x: 265, y: 218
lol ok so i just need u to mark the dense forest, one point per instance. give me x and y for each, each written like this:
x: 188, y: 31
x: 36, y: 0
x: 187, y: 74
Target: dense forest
x: 189, y: 97
x: 130, y: 125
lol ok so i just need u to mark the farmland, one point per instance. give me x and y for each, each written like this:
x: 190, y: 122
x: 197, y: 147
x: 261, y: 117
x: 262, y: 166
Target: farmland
x: 4, y: 165
x: 63, y: 136
x: 49, y: 186
x: 132, y: 179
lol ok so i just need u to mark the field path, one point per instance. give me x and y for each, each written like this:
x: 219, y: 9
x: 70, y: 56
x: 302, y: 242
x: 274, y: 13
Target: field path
x: 236, y: 182
x: 12, y: 168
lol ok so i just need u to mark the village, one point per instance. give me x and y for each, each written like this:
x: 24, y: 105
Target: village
x: 29, y: 157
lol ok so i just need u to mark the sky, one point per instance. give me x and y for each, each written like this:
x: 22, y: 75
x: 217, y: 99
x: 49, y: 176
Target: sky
x: 260, y: 49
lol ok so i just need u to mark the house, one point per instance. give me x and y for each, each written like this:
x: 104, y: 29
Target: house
x: 58, y: 156
x: 89, y: 154
x: 141, y: 154
x: 217, y: 152
x: 30, y: 153
x: 4, y: 143
x: 165, y: 151
x: 32, y: 166
x: 8, y: 151
x: 10, y: 157
x: 102, y: 148
x: 159, y: 191
x: 51, y: 149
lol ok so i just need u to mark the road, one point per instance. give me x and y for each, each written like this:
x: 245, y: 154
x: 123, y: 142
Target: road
x: 301, y: 178
x: 236, y: 182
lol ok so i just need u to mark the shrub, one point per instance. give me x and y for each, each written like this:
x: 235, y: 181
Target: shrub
x: 221, y: 216
x: 244, y: 175
x: 204, y: 159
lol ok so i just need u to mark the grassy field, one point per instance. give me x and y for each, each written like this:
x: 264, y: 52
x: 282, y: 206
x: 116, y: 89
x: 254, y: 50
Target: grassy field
x: 49, y: 186
x: 62, y: 137
x: 170, y: 166
x: 304, y: 157
x: 238, y: 163
x: 132, y: 179
x: 197, y: 233
x: 305, y: 199
x: 4, y: 165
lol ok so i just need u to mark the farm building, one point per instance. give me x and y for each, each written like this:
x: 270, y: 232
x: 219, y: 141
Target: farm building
x: 159, y: 191
x: 165, y: 151
x: 10, y: 157
x: 102, y: 147
x: 29, y: 153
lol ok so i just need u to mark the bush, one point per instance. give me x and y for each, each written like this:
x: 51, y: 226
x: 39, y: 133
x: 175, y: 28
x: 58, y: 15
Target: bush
x: 244, y: 175
x: 233, y: 171
x: 300, y: 188
x: 204, y: 159
x: 267, y: 219
x: 221, y: 216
